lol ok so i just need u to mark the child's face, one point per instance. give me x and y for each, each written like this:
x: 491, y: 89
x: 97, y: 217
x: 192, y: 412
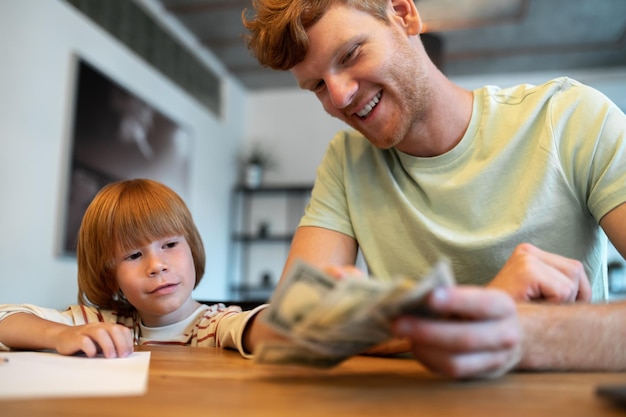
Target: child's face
x: 157, y: 279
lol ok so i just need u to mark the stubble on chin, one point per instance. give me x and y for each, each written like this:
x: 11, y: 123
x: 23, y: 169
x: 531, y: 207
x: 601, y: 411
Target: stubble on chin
x: 390, y: 135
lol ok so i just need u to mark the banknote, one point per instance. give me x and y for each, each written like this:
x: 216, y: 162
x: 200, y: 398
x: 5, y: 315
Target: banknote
x: 287, y: 353
x: 306, y: 288
x: 327, y: 320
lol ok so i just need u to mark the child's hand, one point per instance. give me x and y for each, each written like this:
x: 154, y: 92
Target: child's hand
x: 113, y: 340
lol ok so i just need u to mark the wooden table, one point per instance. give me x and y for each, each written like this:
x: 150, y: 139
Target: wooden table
x: 186, y: 381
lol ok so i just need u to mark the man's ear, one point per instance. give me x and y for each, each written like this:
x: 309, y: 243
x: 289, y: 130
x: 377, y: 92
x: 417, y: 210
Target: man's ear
x: 407, y: 13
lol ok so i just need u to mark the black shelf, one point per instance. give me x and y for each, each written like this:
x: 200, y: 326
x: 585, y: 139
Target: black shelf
x: 274, y: 189
x: 246, y: 238
x: 257, y: 289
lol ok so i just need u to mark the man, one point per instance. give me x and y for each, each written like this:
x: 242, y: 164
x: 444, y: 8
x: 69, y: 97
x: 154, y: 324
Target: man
x: 514, y: 186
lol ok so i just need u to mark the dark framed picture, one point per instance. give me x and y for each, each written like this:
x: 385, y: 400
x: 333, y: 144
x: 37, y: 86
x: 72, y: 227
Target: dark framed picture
x: 117, y: 135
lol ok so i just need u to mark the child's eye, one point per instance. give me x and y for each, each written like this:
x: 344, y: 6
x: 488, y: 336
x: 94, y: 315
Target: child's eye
x: 171, y: 244
x: 133, y: 256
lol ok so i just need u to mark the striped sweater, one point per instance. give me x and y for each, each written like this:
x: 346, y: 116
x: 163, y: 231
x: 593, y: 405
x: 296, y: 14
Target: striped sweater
x: 210, y: 325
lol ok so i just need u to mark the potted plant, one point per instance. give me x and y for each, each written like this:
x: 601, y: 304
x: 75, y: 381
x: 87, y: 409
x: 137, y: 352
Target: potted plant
x: 255, y: 162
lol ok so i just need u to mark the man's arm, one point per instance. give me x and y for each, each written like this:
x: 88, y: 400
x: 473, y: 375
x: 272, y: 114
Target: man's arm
x: 319, y: 247
x: 578, y: 336
x: 613, y: 224
x: 566, y: 337
x: 532, y: 274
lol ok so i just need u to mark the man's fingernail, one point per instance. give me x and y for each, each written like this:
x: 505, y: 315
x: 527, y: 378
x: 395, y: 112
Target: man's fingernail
x: 439, y: 295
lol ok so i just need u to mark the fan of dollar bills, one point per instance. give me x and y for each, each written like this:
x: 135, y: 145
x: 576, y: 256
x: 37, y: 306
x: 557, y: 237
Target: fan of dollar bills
x: 327, y: 320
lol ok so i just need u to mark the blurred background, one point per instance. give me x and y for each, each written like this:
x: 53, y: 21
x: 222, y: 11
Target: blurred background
x: 185, y: 61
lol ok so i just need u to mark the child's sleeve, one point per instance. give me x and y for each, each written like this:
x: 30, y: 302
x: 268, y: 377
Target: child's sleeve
x: 64, y: 317
x: 225, y: 328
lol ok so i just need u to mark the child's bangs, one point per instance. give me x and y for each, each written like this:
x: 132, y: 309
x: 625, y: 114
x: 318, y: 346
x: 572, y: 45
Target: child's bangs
x: 142, y: 220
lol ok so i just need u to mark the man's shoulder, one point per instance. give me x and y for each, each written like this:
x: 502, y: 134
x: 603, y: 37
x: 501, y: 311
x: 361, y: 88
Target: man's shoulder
x: 519, y: 92
x: 530, y: 97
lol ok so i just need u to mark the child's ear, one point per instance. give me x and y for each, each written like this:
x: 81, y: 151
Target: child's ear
x: 407, y: 13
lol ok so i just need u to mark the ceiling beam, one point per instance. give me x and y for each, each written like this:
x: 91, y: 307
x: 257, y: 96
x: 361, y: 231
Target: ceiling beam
x: 205, y: 7
x: 555, y: 49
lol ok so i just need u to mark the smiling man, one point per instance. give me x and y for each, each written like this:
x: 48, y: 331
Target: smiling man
x: 516, y: 186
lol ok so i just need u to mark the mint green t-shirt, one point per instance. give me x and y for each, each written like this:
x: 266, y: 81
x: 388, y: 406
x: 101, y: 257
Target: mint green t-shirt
x: 537, y: 164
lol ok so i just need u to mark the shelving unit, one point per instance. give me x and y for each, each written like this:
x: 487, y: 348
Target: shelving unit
x: 263, y: 221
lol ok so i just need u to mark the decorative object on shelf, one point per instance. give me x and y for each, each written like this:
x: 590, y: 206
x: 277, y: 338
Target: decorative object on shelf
x: 255, y: 162
x: 617, y: 277
x: 254, y: 175
x: 266, y: 280
x: 264, y: 229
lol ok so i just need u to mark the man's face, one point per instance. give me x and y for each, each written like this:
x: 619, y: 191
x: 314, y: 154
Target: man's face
x: 364, y: 72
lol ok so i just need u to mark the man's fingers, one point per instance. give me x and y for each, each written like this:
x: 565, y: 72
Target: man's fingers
x: 475, y: 364
x: 470, y: 302
x: 534, y: 274
x: 567, y: 266
x: 475, y: 332
x: 584, y: 290
x: 572, y: 270
x: 458, y: 336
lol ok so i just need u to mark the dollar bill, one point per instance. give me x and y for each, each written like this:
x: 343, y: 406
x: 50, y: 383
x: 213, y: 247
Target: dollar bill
x: 327, y: 320
x: 290, y: 304
x: 285, y: 353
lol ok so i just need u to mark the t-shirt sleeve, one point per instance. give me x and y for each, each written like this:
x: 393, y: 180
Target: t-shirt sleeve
x: 328, y: 207
x: 592, y: 131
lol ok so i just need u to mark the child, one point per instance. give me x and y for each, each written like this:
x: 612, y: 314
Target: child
x: 139, y: 258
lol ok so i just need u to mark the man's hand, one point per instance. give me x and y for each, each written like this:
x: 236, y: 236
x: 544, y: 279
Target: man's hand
x: 532, y: 274
x: 478, y: 333
x: 113, y: 340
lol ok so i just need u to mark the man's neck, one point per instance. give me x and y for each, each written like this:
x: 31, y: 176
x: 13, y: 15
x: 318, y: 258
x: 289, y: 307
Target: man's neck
x: 445, y: 122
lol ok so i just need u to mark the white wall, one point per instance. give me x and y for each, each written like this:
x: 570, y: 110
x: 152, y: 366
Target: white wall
x: 293, y: 124
x: 40, y: 39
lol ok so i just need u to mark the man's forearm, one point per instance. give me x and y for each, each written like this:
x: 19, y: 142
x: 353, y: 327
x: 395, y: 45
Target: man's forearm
x: 585, y: 337
x: 258, y: 332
